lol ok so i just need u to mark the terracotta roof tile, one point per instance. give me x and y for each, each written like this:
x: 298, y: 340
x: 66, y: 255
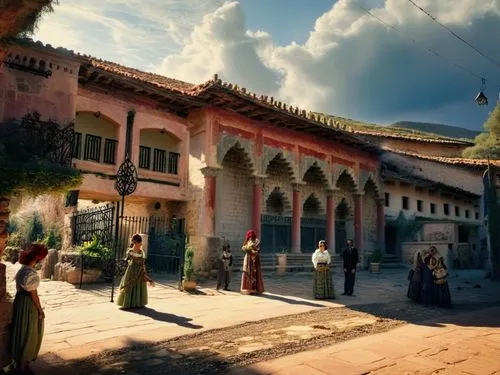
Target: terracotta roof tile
x: 460, y: 162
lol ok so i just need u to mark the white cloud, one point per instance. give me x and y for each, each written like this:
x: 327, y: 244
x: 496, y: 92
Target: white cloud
x: 350, y: 65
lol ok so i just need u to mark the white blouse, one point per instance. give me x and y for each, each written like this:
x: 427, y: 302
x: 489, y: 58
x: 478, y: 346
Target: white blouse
x: 321, y: 257
x: 27, y: 279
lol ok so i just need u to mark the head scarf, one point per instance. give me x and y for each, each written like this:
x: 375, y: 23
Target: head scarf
x: 250, y: 234
x: 322, y: 242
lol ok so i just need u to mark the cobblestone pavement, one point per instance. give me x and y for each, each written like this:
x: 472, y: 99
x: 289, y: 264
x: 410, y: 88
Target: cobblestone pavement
x: 80, y: 323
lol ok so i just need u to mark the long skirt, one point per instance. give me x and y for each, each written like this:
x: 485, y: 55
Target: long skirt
x: 442, y: 296
x: 323, y: 283
x: 427, y: 286
x: 27, y: 329
x: 251, y: 279
x: 414, y: 287
x: 133, y: 288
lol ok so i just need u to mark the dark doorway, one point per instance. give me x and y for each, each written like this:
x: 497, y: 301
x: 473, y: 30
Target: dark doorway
x: 341, y: 213
x: 391, y: 239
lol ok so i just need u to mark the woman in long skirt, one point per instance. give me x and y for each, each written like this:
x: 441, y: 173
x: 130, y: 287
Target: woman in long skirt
x: 251, y: 279
x: 27, y: 317
x: 414, y: 277
x: 442, y: 296
x: 225, y: 264
x: 323, y: 283
x: 133, y: 287
x: 427, y: 279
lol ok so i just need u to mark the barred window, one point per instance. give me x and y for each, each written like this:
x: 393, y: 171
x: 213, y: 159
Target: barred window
x: 92, y: 148
x: 144, y: 157
x: 77, y: 146
x: 110, y: 146
x: 173, y: 161
x: 160, y: 160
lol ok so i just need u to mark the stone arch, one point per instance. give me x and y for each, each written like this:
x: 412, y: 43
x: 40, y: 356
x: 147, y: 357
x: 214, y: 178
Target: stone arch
x: 319, y: 166
x: 315, y: 175
x: 284, y: 157
x: 238, y: 154
x: 277, y: 203
x: 343, y: 171
x: 347, y: 180
x: 228, y: 141
x: 369, y: 180
x: 279, y: 163
x: 343, y: 224
x: 312, y: 206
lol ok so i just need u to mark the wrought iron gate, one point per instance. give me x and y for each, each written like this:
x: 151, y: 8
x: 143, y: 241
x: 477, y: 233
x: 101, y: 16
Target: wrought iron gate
x: 312, y: 230
x: 94, y: 222
x: 276, y: 233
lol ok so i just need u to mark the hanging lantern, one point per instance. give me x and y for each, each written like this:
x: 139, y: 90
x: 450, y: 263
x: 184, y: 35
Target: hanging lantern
x: 481, y: 99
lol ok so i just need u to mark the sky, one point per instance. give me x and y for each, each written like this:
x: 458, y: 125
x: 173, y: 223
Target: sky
x: 395, y: 64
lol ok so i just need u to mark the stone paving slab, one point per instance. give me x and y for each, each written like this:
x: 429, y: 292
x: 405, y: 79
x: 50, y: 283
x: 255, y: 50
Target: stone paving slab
x: 83, y: 322
x: 459, y: 348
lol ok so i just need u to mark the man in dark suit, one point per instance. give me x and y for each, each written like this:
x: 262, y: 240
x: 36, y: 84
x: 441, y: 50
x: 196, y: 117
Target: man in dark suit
x: 351, y: 260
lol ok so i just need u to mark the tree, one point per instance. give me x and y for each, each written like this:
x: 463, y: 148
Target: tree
x: 493, y: 223
x: 21, y: 17
x: 487, y: 144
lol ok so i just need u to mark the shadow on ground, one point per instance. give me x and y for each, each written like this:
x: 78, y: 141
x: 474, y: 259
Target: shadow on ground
x: 165, y: 317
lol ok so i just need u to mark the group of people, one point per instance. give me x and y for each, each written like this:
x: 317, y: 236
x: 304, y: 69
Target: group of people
x: 428, y: 285
x: 427, y: 278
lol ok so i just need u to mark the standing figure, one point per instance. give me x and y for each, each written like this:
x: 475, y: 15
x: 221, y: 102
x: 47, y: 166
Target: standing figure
x: 427, y: 279
x: 27, y: 316
x: 133, y: 287
x: 251, y: 280
x: 442, y: 296
x: 225, y: 264
x: 351, y: 261
x: 323, y: 283
x: 414, y: 277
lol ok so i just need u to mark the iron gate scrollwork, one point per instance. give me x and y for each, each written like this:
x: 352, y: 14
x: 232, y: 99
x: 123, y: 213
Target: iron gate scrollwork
x: 94, y: 222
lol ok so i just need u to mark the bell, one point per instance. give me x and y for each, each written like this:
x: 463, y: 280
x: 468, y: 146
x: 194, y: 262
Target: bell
x: 481, y: 99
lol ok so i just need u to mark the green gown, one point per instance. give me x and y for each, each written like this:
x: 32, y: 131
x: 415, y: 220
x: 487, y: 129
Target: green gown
x: 27, y: 328
x: 133, y: 287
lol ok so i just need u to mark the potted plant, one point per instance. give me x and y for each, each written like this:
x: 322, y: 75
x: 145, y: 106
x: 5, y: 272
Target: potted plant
x: 375, y: 260
x: 282, y: 261
x: 189, y: 281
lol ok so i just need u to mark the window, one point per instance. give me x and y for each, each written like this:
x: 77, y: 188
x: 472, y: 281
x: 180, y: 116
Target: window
x: 420, y: 205
x: 160, y: 161
x: 406, y: 203
x: 110, y: 151
x: 433, y: 208
x: 477, y: 215
x: 457, y: 211
x: 387, y: 199
x: 467, y: 214
x: 144, y: 157
x: 173, y: 161
x: 77, y: 146
x: 92, y: 148
x: 446, y: 209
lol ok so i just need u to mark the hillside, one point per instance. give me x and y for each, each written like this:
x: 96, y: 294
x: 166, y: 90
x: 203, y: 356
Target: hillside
x: 439, y: 129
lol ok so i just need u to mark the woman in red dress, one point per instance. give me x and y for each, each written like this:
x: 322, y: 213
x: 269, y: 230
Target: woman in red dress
x: 251, y: 280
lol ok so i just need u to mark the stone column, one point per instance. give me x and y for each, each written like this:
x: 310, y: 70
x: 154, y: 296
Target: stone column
x: 330, y: 221
x: 209, y: 196
x: 358, y: 222
x: 381, y: 225
x: 296, y: 206
x: 257, y: 204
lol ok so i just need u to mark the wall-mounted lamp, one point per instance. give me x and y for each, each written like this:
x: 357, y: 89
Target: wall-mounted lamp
x: 97, y: 114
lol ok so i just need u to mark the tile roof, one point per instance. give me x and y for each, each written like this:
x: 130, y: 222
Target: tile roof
x: 459, y: 162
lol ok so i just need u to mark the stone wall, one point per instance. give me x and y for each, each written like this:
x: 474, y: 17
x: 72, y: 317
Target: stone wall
x: 370, y: 221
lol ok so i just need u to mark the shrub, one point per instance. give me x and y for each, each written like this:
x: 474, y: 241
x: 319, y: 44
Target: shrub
x: 15, y: 239
x: 34, y: 228
x: 377, y: 256
x: 188, y: 264
x: 11, y: 254
x: 52, y: 239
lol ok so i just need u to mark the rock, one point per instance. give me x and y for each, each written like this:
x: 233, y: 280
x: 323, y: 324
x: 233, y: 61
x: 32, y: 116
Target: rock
x: 71, y: 274
x: 49, y: 264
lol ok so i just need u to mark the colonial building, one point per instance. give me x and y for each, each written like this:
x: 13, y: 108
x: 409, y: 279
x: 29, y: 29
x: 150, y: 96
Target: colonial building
x: 227, y: 160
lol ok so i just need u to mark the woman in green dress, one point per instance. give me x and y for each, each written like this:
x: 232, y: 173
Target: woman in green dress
x: 323, y: 283
x: 133, y: 287
x: 27, y: 316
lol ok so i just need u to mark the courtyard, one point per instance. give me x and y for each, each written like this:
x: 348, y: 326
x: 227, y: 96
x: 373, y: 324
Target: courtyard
x: 193, y: 330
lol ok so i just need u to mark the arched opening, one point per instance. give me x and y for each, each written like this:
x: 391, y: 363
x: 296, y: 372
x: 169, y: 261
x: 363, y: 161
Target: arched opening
x: 279, y: 167
x: 370, y: 216
x: 234, y: 196
x: 276, y: 228
x: 315, y: 176
x: 312, y: 207
x: 313, y: 224
x: 342, y: 214
x: 159, y: 151
x: 95, y: 138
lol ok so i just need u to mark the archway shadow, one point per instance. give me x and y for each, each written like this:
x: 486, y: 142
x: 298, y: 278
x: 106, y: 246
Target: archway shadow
x: 181, y: 321
x: 290, y: 301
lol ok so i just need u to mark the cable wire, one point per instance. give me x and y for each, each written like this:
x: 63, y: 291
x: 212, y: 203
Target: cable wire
x: 468, y: 71
x: 454, y: 34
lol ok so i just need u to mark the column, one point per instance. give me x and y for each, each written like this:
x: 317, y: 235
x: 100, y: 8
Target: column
x: 209, y: 194
x: 330, y: 221
x: 256, y: 205
x: 358, y: 222
x: 381, y: 225
x: 296, y: 220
